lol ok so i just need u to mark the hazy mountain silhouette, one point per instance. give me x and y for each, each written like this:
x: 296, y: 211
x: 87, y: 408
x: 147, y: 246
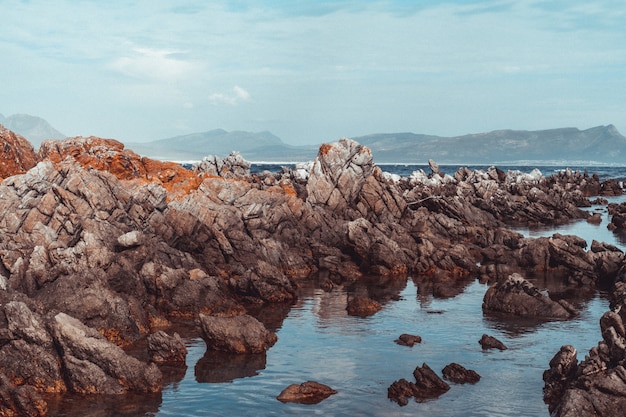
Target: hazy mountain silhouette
x: 602, y: 144
x: 33, y: 128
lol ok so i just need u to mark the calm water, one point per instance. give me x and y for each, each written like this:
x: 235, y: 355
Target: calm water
x: 318, y: 341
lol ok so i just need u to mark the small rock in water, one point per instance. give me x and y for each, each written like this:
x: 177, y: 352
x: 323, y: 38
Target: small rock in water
x: 408, y: 340
x: 490, y: 342
x: 309, y: 392
x: 459, y: 375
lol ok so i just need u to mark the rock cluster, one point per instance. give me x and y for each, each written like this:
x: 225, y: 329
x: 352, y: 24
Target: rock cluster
x: 100, y: 248
x: 595, y: 386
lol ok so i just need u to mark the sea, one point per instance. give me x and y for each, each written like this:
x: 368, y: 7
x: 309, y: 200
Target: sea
x: 319, y: 341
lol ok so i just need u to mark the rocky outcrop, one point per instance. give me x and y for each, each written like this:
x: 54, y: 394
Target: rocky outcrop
x: 595, y: 386
x: 309, y: 392
x: 517, y: 296
x: 16, y: 154
x: 161, y: 242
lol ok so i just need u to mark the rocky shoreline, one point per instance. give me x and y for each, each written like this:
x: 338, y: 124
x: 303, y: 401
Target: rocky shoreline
x: 101, y: 248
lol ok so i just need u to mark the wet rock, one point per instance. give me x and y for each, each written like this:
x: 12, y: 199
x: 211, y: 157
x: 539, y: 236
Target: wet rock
x: 165, y: 349
x: 490, y: 342
x: 459, y: 375
x: 363, y: 306
x: 563, y: 367
x: 401, y: 391
x: 517, y: 296
x: 238, y: 334
x: 427, y: 385
x: 408, y: 340
x: 309, y: 392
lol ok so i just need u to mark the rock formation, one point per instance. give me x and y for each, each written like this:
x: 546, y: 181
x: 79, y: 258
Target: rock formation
x: 101, y: 248
x: 309, y: 392
x: 517, y: 296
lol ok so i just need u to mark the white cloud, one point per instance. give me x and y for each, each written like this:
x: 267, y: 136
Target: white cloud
x: 159, y: 64
x: 232, y: 98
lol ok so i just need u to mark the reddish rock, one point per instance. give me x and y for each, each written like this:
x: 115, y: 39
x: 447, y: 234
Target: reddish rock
x: 238, y: 334
x: 363, y: 306
x: 309, y: 392
x: 16, y: 154
x: 408, y: 340
x: 490, y: 342
x: 459, y: 375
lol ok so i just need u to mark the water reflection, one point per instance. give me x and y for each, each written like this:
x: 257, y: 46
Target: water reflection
x: 216, y: 367
x: 129, y: 405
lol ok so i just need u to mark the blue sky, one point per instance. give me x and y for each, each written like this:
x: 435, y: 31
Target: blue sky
x: 313, y: 71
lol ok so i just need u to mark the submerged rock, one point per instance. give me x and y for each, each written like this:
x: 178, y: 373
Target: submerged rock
x: 363, y: 306
x: 309, y: 392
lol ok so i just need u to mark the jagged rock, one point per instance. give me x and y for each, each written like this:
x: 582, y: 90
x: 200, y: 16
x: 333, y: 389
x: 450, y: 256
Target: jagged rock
x: 517, y: 296
x: 408, y: 340
x: 233, y: 166
x: 363, y: 306
x: 95, y: 365
x: 490, y: 342
x: 459, y: 375
x: 165, y: 349
x: 427, y: 386
x: 16, y: 154
x: 309, y: 392
x: 238, y: 334
x: 401, y: 391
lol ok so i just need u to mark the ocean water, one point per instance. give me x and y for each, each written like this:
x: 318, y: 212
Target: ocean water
x: 358, y: 357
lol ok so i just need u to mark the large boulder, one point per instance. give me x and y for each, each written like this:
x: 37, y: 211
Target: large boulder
x: 238, y: 334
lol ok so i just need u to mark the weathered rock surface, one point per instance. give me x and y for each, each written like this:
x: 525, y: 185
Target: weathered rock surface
x: 238, y: 334
x: 517, y: 296
x: 94, y: 235
x: 166, y: 349
x: 309, y: 392
x: 16, y: 154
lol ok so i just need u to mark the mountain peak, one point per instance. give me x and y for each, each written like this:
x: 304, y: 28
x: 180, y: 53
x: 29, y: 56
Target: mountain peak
x: 33, y: 128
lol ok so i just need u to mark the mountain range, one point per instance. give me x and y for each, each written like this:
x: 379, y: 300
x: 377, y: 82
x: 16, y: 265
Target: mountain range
x: 597, y: 145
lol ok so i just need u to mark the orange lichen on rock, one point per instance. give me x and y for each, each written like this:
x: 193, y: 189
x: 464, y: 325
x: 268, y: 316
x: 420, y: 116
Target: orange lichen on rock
x: 16, y: 154
x: 325, y: 148
x: 110, y: 155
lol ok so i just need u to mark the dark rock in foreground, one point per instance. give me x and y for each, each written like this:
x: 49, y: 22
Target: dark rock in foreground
x: 309, y: 392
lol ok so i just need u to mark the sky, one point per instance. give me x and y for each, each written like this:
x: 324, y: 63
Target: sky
x: 313, y: 71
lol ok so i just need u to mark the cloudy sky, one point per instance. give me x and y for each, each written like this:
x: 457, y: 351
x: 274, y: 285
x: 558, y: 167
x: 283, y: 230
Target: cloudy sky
x: 313, y: 71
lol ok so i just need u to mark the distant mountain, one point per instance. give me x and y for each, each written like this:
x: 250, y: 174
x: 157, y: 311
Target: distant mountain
x: 253, y: 146
x: 598, y: 145
x: 33, y: 128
